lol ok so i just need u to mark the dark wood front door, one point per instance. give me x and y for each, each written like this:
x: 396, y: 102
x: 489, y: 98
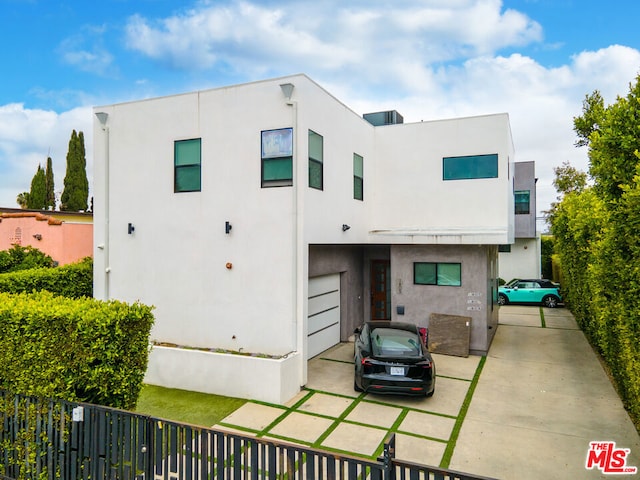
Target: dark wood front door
x: 380, y: 290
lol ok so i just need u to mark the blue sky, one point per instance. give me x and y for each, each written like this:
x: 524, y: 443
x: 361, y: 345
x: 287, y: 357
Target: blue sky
x: 428, y: 59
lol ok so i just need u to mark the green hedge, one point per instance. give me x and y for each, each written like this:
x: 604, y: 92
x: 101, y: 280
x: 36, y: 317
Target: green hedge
x: 23, y: 258
x: 74, y: 280
x: 73, y: 349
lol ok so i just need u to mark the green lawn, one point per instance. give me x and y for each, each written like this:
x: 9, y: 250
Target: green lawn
x: 186, y: 407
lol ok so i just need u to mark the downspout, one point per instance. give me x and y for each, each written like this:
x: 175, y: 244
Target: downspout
x: 103, y: 118
x: 107, y: 232
x: 298, y: 246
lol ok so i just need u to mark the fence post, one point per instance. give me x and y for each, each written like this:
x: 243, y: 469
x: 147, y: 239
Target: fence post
x: 388, y: 454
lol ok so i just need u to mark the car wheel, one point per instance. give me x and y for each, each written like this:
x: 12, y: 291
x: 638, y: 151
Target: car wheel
x: 502, y: 299
x: 550, y: 301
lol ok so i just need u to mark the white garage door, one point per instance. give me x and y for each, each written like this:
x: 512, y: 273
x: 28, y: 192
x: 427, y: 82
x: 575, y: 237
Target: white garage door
x: 324, y: 314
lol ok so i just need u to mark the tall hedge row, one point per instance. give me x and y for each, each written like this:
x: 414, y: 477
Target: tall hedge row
x: 74, y: 349
x: 596, y: 232
x: 74, y: 280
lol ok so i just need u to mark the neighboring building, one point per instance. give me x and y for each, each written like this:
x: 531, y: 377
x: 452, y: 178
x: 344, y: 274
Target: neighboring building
x: 269, y: 220
x: 65, y: 236
x: 522, y: 258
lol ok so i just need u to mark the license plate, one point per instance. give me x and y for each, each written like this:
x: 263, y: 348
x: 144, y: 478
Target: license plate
x: 397, y: 370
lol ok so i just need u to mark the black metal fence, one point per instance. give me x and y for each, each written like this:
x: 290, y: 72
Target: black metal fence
x: 56, y: 439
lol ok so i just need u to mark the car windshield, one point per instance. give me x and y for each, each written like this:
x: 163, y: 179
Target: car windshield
x: 392, y: 342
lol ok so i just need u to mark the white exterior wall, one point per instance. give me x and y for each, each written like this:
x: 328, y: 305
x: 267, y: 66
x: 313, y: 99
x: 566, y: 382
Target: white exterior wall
x: 523, y: 261
x: 413, y: 204
x: 176, y: 258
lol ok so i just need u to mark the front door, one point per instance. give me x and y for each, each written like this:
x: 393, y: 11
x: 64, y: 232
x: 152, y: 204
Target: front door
x: 380, y: 290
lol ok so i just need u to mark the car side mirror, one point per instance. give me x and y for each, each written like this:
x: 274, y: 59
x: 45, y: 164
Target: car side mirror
x: 357, y: 331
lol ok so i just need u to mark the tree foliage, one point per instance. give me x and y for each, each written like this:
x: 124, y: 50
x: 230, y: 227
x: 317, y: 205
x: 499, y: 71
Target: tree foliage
x: 38, y: 193
x: 76, y: 186
x: 596, y: 233
x: 50, y: 196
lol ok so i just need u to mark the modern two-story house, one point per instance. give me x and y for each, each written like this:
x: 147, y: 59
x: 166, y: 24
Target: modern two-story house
x: 265, y: 221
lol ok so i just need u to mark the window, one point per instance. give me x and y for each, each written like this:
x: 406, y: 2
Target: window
x: 277, y: 157
x: 437, y: 274
x: 358, y: 177
x: 506, y: 248
x: 187, y: 165
x: 522, y: 202
x: 315, y: 160
x: 475, y: 166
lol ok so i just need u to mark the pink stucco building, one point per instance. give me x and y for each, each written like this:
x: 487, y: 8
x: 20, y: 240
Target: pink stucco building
x: 64, y: 236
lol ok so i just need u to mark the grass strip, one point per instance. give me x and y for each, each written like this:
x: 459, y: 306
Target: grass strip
x: 542, y: 321
x: 448, y: 453
x: 184, y: 406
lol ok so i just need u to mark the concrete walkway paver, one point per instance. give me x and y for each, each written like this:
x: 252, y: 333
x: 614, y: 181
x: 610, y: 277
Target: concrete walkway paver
x: 541, y: 397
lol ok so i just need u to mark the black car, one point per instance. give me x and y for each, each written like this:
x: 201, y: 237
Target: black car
x: 392, y: 357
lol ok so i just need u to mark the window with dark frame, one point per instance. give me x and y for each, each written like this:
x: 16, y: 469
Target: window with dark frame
x: 358, y: 177
x: 470, y: 167
x: 276, y: 157
x: 437, y: 273
x: 187, y: 156
x: 316, y: 155
x: 522, y: 202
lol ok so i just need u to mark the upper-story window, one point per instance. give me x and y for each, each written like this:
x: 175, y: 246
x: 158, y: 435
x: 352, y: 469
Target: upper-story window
x: 522, y: 202
x: 315, y: 160
x: 472, y: 166
x: 277, y: 157
x: 187, y: 165
x: 358, y: 177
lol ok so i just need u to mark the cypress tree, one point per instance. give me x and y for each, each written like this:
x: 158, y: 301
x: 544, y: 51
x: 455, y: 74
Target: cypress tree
x: 50, y: 195
x: 76, y: 185
x: 38, y: 193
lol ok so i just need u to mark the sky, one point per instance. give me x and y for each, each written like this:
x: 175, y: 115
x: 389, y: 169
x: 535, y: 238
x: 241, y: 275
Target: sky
x: 427, y: 59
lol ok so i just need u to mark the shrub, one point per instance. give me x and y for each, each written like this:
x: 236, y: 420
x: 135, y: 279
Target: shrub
x: 73, y: 349
x: 23, y: 258
x: 74, y: 280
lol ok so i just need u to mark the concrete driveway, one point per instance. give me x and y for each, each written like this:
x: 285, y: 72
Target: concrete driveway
x: 526, y: 411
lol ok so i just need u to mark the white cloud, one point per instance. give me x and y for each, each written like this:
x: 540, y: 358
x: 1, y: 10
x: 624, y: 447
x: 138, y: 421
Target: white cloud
x: 429, y: 59
x: 85, y: 51
x: 28, y: 136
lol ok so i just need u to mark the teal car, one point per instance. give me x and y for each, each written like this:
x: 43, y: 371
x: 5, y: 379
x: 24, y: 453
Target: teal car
x: 538, y: 291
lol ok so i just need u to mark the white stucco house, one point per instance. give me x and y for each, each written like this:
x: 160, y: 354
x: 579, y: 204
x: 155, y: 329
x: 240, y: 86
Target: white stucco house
x: 265, y: 221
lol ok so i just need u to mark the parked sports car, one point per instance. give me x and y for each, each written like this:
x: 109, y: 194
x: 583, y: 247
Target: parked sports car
x: 530, y: 291
x: 392, y: 357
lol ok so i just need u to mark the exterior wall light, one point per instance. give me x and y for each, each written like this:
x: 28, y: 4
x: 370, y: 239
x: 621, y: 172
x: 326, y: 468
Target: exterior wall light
x: 37, y: 236
x: 102, y: 117
x: 227, y: 227
x: 345, y: 227
x: 229, y: 265
x: 131, y: 229
x: 287, y: 90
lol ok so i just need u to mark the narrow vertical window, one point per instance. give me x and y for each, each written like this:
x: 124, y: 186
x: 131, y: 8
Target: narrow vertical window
x: 315, y: 160
x: 187, y: 165
x: 358, y: 177
x: 277, y: 157
x: 522, y: 202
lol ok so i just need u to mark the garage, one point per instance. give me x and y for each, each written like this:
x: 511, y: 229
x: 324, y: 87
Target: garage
x: 323, y: 325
